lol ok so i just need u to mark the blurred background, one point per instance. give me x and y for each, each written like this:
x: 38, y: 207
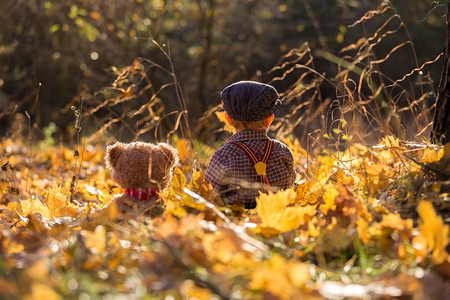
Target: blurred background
x: 136, y: 68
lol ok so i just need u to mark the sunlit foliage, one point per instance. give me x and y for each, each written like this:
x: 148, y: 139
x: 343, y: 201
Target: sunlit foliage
x: 336, y: 222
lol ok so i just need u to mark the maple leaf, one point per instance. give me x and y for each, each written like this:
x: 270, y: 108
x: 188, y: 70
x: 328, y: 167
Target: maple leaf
x: 308, y: 192
x: 432, y: 155
x: 185, y: 151
x: 391, y: 141
x: 395, y: 222
x: 329, y: 199
x: 175, y: 198
x: 386, y: 157
x: 59, y: 204
x: 392, y: 233
x: 280, y: 277
x: 277, y: 216
x: 95, y: 240
x: 32, y: 206
x: 227, y: 127
x: 225, y: 249
x: 434, y: 231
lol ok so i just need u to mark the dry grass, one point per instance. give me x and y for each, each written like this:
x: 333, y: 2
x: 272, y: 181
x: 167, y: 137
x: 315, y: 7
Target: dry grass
x: 356, y: 100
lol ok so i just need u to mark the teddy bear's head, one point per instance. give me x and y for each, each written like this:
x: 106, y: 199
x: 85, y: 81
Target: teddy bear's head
x: 141, y: 165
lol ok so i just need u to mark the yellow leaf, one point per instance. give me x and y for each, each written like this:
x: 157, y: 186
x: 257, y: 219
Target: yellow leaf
x: 227, y: 127
x: 395, y: 222
x: 432, y: 155
x: 107, y: 214
x: 56, y: 201
x: 178, y: 180
x: 419, y: 243
x: 308, y: 192
x: 11, y: 208
x: 329, y: 196
x: 275, y: 214
x: 298, y: 273
x: 279, y: 277
x: 172, y: 207
x: 41, y: 291
x: 12, y: 247
x: 59, y: 204
x: 190, y: 291
x: 199, y: 184
x: 184, y: 148
x: 391, y: 141
x: 375, y: 173
x: 174, y: 196
x: 32, y: 206
x: 362, y: 226
x: 345, y: 178
x: 297, y: 150
x: 95, y: 240
x: 38, y: 271
x: 434, y: 231
x: 386, y: 157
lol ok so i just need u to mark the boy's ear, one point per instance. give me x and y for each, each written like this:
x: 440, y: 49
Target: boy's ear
x: 228, y: 119
x: 269, y: 121
x: 113, y: 153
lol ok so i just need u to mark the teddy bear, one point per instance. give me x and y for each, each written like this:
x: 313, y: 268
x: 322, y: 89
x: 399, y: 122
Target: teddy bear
x: 142, y: 170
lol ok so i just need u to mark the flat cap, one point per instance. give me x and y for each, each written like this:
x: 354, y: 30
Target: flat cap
x: 250, y: 100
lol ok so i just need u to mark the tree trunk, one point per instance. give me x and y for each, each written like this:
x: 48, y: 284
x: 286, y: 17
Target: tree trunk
x: 441, y: 120
x: 206, y: 32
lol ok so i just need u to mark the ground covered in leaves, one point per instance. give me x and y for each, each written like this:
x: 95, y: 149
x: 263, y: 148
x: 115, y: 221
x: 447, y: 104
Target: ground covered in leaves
x: 367, y: 222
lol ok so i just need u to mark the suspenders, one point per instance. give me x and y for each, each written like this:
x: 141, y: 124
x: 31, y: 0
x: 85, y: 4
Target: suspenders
x: 259, y: 164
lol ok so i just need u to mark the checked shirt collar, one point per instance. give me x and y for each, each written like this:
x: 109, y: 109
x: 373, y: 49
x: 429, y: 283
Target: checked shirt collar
x: 247, y: 135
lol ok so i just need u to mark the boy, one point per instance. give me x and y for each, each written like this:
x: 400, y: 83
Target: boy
x: 250, y: 161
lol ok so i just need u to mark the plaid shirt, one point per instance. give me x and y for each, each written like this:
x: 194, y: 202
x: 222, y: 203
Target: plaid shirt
x: 231, y: 172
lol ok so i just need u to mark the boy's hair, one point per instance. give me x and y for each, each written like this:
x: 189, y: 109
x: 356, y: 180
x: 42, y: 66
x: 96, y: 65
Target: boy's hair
x: 248, y: 125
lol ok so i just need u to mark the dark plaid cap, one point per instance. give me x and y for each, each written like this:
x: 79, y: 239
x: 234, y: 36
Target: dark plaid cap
x: 250, y: 100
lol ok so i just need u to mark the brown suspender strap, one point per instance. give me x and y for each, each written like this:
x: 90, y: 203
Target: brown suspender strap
x: 260, y: 165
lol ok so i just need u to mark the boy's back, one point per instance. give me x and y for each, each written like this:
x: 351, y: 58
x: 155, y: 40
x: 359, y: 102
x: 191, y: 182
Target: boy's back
x: 233, y: 174
x: 250, y: 161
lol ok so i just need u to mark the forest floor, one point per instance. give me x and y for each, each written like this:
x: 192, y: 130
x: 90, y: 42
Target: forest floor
x: 364, y: 223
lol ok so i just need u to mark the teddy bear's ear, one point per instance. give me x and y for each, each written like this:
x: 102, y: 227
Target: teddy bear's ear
x: 113, y: 153
x: 162, y: 161
x: 169, y: 153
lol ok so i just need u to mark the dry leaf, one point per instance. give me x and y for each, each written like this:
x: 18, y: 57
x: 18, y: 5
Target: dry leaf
x: 277, y: 216
x: 434, y: 231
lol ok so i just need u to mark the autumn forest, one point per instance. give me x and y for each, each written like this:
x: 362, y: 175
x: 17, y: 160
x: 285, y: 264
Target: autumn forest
x: 364, y: 112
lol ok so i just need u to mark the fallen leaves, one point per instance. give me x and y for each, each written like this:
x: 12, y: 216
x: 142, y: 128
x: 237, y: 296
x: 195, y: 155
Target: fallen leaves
x: 280, y: 277
x: 57, y: 243
x: 434, y: 231
x: 277, y: 216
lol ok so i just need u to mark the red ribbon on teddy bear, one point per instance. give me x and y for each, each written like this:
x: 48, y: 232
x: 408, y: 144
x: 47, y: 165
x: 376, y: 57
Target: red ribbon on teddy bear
x: 141, y: 193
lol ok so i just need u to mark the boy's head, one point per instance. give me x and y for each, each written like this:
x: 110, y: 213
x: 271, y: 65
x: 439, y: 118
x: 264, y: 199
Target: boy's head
x: 250, y: 101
